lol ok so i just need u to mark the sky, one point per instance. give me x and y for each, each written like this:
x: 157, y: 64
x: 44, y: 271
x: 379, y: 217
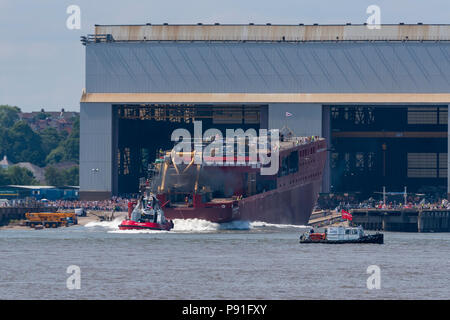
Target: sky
x: 42, y: 61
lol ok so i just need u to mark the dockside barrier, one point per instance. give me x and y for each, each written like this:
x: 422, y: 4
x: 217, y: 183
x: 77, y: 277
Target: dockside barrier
x: 403, y: 220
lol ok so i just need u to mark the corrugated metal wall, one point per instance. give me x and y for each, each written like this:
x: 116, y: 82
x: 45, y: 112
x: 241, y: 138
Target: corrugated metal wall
x: 251, y: 32
x: 95, y: 147
x: 311, y: 67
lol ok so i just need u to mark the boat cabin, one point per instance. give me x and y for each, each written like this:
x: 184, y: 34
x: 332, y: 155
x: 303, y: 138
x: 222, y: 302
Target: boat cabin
x: 344, y: 233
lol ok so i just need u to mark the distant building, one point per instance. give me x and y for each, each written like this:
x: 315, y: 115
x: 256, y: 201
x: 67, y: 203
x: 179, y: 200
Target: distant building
x: 40, y: 120
x: 379, y: 97
x: 39, y: 192
x: 5, y: 163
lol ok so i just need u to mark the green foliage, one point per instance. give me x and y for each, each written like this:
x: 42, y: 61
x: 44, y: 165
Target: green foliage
x: 8, y: 115
x: 26, y: 144
x: 21, y: 144
x: 17, y: 175
x: 72, y: 145
x: 73, y: 176
x: 4, y: 177
x: 41, y: 116
x: 55, y: 156
x: 62, y: 177
x: 68, y: 148
x: 53, y: 176
x: 51, y: 138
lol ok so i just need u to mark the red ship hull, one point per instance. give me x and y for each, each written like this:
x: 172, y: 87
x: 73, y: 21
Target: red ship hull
x: 133, y: 225
x: 292, y: 202
x: 217, y: 215
x: 290, y: 205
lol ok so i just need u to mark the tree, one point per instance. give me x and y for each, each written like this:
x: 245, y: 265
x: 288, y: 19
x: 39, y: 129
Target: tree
x: 53, y: 177
x: 68, y: 149
x: 21, y: 144
x: 61, y: 177
x: 50, y: 138
x: 71, y: 176
x: 26, y: 144
x: 72, y: 144
x: 4, y: 177
x: 55, y: 156
x: 41, y: 116
x: 17, y: 175
x: 8, y: 115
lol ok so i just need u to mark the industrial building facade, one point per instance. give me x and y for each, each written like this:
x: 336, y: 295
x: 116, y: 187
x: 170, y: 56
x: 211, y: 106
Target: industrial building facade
x: 380, y: 97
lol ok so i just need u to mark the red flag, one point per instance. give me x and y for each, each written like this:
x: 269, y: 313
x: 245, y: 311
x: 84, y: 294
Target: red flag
x: 346, y: 215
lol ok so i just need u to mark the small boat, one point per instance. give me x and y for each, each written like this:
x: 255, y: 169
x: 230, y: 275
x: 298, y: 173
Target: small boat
x: 147, y: 214
x: 133, y: 225
x: 341, y: 235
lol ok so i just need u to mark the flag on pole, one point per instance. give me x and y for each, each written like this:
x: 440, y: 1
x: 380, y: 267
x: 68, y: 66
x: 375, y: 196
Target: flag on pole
x: 288, y: 114
x: 346, y: 215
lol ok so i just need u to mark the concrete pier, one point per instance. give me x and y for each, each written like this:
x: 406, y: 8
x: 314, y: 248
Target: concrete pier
x: 403, y: 220
x: 17, y: 213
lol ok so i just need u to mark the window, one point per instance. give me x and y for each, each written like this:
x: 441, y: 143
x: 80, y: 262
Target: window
x: 443, y: 115
x: 443, y: 165
x: 428, y: 115
x: 422, y: 115
x: 426, y: 165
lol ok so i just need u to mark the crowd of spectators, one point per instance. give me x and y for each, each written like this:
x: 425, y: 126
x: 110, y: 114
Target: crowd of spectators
x: 115, y: 203
x: 347, y: 202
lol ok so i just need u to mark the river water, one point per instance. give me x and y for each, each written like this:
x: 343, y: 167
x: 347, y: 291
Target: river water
x: 202, y: 260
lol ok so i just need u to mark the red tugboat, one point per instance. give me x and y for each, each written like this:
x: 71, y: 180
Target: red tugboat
x: 147, y: 214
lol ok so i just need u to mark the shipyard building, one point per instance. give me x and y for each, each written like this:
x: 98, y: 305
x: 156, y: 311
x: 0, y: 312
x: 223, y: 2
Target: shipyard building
x: 380, y: 97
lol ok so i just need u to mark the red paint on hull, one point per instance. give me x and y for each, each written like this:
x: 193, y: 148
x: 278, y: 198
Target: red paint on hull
x: 290, y: 205
x: 217, y: 215
x: 292, y: 202
x: 133, y: 225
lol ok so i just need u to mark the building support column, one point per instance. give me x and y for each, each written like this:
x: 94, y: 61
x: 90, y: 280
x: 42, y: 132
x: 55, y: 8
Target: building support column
x: 326, y: 133
x: 96, y: 150
x: 448, y: 158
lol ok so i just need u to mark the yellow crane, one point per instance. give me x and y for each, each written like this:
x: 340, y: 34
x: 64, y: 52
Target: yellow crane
x: 50, y: 219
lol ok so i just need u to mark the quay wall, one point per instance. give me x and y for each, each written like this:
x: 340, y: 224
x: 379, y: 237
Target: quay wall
x: 17, y: 213
x: 403, y: 220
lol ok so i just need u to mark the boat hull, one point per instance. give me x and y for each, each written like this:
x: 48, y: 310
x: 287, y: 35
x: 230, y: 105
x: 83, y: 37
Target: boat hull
x: 377, y: 238
x: 291, y: 202
x: 216, y: 214
x: 133, y: 225
x: 288, y: 205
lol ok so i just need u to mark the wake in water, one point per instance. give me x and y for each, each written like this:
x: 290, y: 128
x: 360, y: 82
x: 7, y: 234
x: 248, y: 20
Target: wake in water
x: 192, y: 225
x: 261, y: 224
x: 105, y: 224
x: 113, y: 227
x: 198, y: 225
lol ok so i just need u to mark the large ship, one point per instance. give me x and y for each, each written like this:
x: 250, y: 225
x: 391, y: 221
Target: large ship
x: 223, y: 192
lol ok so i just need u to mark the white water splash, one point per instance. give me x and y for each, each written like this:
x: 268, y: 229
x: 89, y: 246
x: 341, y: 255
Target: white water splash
x: 192, y: 225
x: 198, y: 225
x: 105, y: 224
x: 261, y: 224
